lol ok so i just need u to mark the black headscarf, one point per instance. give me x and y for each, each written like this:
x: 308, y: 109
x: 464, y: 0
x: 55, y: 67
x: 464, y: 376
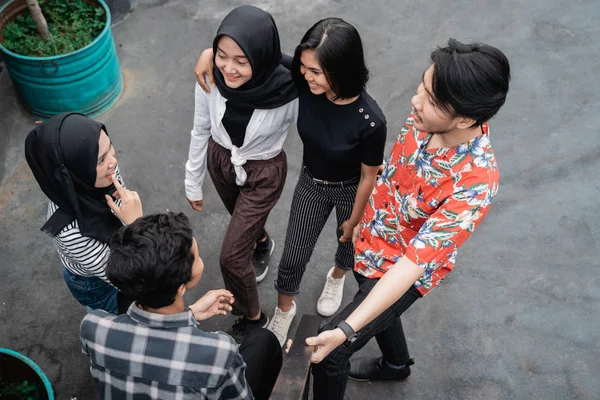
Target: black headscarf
x: 271, y: 85
x: 63, y: 155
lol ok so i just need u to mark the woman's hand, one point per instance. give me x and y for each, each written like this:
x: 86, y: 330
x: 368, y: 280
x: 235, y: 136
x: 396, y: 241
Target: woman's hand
x: 196, y: 204
x: 215, y: 302
x: 131, y: 205
x: 355, y: 235
x: 347, y: 229
x: 204, y: 66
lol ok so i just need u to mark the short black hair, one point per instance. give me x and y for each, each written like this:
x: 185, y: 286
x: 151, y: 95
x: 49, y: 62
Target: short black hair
x: 470, y: 80
x: 339, y: 51
x: 151, y: 258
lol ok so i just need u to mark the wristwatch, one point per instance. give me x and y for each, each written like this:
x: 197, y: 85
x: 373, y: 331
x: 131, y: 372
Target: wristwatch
x: 351, y: 335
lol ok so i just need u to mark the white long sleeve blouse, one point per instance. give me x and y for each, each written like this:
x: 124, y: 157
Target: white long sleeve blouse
x: 265, y: 135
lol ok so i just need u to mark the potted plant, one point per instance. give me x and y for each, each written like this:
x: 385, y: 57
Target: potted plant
x: 61, y: 55
x: 22, y: 379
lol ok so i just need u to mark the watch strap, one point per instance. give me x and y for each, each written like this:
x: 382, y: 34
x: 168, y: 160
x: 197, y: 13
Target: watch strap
x: 347, y: 329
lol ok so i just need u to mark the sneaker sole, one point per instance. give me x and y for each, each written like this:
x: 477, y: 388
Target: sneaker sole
x: 262, y: 276
x: 328, y: 314
x: 266, y: 323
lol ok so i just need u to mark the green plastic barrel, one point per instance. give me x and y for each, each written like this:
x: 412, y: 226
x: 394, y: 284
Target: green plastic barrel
x: 88, y: 80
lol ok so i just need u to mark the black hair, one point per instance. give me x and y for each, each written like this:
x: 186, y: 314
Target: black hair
x: 339, y: 51
x: 151, y: 258
x: 470, y: 80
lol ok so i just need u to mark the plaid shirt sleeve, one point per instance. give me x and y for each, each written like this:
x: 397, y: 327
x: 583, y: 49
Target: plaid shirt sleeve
x: 234, y: 385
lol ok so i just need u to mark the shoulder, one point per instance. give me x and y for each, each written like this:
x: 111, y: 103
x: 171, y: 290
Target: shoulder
x: 284, y: 109
x: 200, y: 94
x: 372, y: 120
x: 92, y: 321
x: 371, y: 106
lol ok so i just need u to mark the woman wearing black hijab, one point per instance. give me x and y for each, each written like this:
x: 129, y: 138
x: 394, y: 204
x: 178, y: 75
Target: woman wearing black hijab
x: 238, y: 135
x: 73, y: 161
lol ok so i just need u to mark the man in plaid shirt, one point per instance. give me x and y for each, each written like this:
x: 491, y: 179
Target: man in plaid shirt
x: 156, y: 350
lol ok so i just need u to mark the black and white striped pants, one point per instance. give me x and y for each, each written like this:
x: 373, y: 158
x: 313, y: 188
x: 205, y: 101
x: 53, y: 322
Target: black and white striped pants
x: 311, y: 206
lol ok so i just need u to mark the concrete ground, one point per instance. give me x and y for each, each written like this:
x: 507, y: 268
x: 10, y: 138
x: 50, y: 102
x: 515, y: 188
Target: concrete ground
x: 519, y: 316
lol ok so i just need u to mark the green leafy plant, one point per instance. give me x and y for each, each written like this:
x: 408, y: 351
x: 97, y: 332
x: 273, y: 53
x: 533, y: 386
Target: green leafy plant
x: 73, y: 24
x: 22, y: 390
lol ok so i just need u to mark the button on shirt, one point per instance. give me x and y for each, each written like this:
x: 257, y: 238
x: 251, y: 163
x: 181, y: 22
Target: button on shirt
x: 155, y: 356
x: 265, y: 135
x: 426, y: 204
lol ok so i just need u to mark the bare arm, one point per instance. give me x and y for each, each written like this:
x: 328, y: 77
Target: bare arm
x: 368, y: 177
x: 204, y: 66
x: 386, y: 292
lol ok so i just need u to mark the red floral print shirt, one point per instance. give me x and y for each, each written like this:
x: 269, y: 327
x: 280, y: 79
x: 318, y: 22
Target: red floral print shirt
x: 425, y: 205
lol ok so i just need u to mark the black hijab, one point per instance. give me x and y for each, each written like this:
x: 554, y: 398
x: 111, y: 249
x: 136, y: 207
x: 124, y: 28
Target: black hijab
x: 271, y: 85
x: 63, y: 155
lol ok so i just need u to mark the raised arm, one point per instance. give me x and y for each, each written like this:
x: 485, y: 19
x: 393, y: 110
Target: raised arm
x: 204, y: 66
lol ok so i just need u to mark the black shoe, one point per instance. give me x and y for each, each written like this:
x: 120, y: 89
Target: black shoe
x: 260, y: 259
x: 375, y: 369
x: 243, y: 326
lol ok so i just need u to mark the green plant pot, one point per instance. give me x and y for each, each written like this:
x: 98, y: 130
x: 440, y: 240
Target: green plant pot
x: 88, y: 80
x: 21, y: 378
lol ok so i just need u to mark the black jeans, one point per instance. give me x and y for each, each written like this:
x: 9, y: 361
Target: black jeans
x: 331, y: 375
x: 262, y: 354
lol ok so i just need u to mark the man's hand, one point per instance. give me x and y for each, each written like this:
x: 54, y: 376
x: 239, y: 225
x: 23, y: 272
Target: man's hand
x: 355, y: 235
x: 215, y: 302
x: 346, y: 228
x: 204, y: 66
x: 196, y: 204
x: 131, y: 205
x: 325, y: 343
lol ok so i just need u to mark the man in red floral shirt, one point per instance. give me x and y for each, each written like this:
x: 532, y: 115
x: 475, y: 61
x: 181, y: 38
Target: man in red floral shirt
x: 435, y: 190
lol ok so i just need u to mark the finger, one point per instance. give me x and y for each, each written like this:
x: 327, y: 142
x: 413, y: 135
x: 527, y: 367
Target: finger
x: 136, y: 196
x: 193, y: 205
x: 313, y: 341
x: 120, y: 188
x: 202, y: 82
x: 211, y: 78
x: 111, y: 203
x: 224, y: 292
x: 288, y: 345
x: 316, y: 357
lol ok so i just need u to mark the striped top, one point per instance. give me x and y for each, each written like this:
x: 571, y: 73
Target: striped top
x: 80, y: 254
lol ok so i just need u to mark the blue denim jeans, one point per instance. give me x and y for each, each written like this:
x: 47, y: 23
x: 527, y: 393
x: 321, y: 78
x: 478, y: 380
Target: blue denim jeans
x: 92, y: 292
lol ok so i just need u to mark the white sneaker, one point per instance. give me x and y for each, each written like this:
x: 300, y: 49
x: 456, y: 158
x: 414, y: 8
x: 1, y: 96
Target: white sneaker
x: 281, y: 321
x: 331, y: 297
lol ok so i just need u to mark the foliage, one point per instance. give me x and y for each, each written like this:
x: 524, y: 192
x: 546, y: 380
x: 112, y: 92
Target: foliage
x: 73, y: 25
x: 23, y: 390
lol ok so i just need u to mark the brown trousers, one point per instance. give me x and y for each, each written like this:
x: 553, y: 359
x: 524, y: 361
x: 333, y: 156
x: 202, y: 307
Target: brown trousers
x: 249, y: 206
